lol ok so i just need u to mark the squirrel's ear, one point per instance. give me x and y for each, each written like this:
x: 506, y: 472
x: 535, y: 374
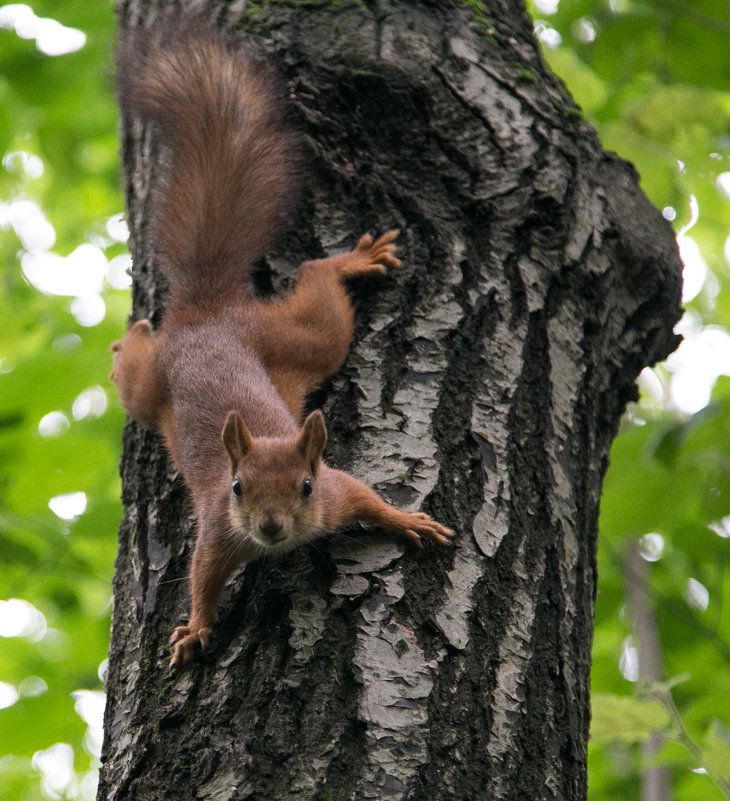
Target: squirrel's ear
x: 236, y: 438
x: 312, y: 439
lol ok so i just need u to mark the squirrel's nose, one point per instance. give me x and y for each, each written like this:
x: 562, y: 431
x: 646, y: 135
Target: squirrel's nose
x: 270, y: 524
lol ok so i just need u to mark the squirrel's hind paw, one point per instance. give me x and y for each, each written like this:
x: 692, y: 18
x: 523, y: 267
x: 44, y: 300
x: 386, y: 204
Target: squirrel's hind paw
x: 371, y: 258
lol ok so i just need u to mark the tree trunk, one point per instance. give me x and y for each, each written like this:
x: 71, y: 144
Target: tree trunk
x: 656, y: 780
x: 485, y: 385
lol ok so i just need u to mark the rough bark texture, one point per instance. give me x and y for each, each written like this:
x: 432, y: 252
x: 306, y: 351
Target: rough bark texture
x: 485, y: 385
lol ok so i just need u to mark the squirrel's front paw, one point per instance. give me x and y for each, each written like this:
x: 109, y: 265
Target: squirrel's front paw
x: 416, y: 525
x: 185, y: 640
x: 372, y: 258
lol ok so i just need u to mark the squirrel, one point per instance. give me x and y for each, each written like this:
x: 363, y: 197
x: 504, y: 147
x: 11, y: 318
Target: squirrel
x: 224, y: 378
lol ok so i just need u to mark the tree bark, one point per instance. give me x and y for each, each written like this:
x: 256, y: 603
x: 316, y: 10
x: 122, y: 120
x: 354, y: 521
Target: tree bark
x: 485, y: 385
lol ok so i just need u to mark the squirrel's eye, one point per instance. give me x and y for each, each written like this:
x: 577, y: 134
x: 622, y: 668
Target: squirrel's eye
x: 237, y: 491
x: 306, y: 487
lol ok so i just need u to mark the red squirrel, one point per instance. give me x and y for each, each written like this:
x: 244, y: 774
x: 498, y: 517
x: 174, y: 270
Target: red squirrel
x: 225, y: 377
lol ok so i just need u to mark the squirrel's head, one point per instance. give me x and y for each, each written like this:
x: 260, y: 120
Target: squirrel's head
x: 273, y: 491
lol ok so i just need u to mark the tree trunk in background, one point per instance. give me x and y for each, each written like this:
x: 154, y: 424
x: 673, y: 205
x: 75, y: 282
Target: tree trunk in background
x: 656, y: 780
x: 485, y: 385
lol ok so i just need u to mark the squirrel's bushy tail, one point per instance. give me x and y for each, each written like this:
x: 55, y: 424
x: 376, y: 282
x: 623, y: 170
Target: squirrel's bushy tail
x: 228, y: 157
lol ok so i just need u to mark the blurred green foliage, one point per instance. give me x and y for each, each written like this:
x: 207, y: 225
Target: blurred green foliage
x: 61, y: 110
x: 652, y: 77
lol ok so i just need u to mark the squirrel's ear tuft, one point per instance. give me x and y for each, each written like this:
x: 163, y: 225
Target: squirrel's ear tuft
x: 312, y: 439
x: 236, y: 438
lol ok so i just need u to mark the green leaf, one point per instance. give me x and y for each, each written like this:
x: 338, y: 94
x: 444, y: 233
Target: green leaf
x: 626, y: 719
x: 716, y: 751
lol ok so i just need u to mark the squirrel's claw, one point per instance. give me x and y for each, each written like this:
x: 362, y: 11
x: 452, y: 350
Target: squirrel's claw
x: 386, y: 239
x: 371, y: 257
x: 185, y: 640
x: 414, y: 537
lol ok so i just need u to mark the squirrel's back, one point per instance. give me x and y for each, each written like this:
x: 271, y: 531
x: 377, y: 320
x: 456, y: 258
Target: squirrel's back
x: 228, y: 161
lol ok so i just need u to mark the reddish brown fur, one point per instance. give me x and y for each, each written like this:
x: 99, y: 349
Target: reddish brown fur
x: 229, y: 171
x: 225, y: 378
